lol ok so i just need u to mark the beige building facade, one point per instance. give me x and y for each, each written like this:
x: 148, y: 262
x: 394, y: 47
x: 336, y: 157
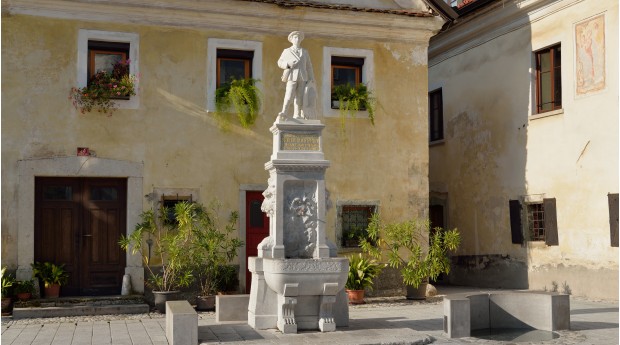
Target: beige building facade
x: 165, y: 143
x: 524, y: 161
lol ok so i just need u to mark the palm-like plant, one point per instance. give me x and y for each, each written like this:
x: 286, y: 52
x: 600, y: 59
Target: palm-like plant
x: 404, y: 243
x: 362, y: 272
x: 50, y: 274
x: 8, y: 280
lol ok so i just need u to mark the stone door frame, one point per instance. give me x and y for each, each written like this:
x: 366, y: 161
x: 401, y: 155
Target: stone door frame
x: 78, y: 166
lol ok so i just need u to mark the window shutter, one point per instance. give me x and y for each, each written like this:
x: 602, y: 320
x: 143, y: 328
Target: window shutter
x: 515, y: 221
x: 613, y: 218
x: 551, y: 222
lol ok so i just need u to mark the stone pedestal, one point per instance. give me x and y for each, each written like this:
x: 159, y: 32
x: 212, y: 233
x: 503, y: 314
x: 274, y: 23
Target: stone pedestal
x: 297, y: 282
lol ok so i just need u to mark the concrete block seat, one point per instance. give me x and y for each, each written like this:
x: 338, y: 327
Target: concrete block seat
x: 466, y: 312
x: 181, y: 323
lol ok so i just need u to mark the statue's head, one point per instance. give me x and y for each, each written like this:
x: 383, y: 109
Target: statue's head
x: 296, y: 33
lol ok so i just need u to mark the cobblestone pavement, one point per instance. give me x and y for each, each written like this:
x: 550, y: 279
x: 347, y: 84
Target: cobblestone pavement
x: 387, y: 320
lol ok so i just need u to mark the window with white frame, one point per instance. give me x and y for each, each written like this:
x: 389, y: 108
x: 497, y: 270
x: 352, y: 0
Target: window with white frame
x: 228, y: 59
x: 342, y: 66
x: 99, y: 50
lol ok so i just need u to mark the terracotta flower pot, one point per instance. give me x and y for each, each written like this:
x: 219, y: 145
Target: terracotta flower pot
x: 24, y: 296
x: 52, y: 291
x: 355, y: 296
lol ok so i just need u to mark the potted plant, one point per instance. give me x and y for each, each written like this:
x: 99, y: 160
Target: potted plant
x: 405, y: 243
x: 213, y: 247
x: 7, y: 280
x: 350, y: 99
x: 170, y: 244
x: 24, y: 289
x: 227, y: 280
x: 104, y: 88
x: 239, y: 96
x: 362, y: 272
x: 53, y: 277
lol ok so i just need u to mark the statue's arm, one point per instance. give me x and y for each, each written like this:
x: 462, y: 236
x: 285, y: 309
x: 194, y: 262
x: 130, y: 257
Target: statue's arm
x: 283, y: 62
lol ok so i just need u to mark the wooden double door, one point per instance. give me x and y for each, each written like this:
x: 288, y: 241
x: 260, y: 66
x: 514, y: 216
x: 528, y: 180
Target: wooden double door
x: 78, y: 222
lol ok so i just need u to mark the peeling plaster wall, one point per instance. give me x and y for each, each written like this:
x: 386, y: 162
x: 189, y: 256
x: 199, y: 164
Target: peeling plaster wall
x: 495, y: 150
x: 179, y: 142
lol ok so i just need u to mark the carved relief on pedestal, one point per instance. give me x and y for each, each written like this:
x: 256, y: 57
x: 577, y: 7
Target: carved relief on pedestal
x: 269, y: 203
x: 300, y: 221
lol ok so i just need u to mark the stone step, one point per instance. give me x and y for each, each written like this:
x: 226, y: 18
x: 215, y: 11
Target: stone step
x: 80, y: 306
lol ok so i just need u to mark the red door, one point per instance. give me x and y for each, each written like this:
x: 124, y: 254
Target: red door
x: 78, y: 222
x: 257, y: 228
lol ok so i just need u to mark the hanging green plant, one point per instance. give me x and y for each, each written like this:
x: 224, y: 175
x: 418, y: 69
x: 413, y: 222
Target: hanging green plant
x: 103, y: 88
x: 239, y: 96
x: 350, y: 99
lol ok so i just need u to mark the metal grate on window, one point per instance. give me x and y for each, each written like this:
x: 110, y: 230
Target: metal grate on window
x: 536, y: 222
x: 355, y: 220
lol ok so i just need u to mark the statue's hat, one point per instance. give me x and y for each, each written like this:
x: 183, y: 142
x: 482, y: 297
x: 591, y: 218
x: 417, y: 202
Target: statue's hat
x: 298, y: 33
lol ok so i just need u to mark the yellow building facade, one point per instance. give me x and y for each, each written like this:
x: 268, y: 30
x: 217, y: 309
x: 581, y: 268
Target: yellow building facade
x: 165, y: 143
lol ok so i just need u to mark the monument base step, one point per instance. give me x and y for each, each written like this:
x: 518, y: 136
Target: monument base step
x: 80, y: 306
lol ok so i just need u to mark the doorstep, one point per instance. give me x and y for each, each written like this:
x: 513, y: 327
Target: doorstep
x: 80, y: 306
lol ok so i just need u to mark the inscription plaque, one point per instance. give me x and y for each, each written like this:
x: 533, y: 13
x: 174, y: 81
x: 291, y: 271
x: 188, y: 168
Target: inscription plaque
x: 299, y: 142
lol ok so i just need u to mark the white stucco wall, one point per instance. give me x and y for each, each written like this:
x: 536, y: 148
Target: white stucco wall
x: 497, y: 149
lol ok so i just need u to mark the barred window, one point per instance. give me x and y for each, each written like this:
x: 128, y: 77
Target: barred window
x: 355, y: 220
x: 536, y: 221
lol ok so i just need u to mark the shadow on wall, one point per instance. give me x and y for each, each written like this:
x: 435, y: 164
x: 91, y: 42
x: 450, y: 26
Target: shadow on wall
x: 481, y: 163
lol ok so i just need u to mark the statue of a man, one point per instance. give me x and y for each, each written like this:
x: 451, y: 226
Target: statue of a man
x: 298, y: 73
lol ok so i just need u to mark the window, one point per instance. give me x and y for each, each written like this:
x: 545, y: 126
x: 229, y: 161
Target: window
x: 98, y: 50
x: 168, y: 202
x: 354, y: 220
x: 231, y: 58
x: 540, y: 219
x: 103, y: 55
x: 347, y: 66
x: 536, y: 222
x: 233, y: 64
x: 435, y: 115
x: 548, y: 79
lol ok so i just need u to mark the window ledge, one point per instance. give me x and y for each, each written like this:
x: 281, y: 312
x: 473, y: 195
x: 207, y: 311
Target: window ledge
x: 437, y: 142
x: 349, y: 250
x: 537, y: 244
x: 547, y: 114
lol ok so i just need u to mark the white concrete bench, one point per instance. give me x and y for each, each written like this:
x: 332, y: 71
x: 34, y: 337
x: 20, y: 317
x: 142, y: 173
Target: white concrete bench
x: 463, y: 313
x: 181, y: 323
x: 231, y: 308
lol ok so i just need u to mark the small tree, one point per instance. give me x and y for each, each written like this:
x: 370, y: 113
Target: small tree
x: 406, y: 249
x: 169, y: 243
x: 213, y: 246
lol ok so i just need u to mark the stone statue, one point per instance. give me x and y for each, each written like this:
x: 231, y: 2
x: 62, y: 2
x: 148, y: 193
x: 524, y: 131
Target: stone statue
x: 299, y: 78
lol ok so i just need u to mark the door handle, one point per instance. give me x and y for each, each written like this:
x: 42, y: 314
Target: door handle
x: 87, y: 235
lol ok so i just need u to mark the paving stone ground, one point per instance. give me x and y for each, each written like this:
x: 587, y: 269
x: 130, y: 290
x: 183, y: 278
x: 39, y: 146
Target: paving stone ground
x: 381, y: 321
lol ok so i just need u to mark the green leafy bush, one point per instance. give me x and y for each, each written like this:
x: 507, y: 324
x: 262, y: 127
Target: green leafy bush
x: 49, y: 273
x: 239, y: 96
x: 405, y: 243
x: 362, y: 272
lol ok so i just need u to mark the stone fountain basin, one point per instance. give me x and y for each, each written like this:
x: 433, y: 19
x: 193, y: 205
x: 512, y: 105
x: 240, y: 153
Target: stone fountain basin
x: 309, y: 274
